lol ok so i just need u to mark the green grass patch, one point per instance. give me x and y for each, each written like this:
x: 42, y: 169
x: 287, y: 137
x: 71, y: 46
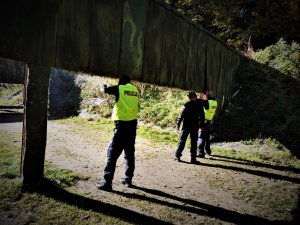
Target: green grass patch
x: 95, y: 124
x: 10, y: 158
x: 62, y: 177
x: 11, y: 94
x: 158, y: 134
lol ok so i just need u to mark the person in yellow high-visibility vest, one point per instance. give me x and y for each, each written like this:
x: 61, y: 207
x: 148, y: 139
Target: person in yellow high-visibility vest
x: 204, y: 134
x: 125, y: 117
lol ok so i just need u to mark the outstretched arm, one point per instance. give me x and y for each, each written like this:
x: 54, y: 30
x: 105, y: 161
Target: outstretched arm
x: 180, y: 118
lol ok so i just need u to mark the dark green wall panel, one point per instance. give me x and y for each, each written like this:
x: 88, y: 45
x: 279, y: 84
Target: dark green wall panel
x: 28, y: 30
x: 222, y: 75
x: 201, y: 61
x: 191, y: 71
x: 213, y: 62
x: 73, y: 34
x: 106, y: 36
x: 181, y: 54
x: 133, y: 33
x: 169, y: 49
x: 153, y: 43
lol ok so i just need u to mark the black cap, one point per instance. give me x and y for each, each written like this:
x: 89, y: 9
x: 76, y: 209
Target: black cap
x: 192, y: 94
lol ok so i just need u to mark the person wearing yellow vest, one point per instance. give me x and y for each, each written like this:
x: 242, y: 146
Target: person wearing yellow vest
x: 204, y: 135
x: 125, y: 117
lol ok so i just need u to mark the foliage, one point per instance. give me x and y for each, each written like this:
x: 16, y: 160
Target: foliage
x: 235, y: 21
x: 160, y: 106
x: 90, y: 87
x: 11, y: 94
x: 281, y: 56
x: 265, y: 104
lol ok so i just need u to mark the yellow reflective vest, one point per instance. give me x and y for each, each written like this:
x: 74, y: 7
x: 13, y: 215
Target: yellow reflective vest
x: 126, y: 108
x: 210, y: 112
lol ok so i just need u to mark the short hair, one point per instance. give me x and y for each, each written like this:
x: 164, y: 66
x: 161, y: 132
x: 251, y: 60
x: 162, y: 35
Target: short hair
x: 124, y: 80
x: 192, y: 94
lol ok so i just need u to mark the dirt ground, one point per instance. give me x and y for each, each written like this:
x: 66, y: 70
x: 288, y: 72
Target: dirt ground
x: 220, y: 190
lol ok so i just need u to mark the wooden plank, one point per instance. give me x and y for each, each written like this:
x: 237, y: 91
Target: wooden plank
x: 28, y: 30
x: 35, y: 124
x: 133, y: 34
x: 168, y: 50
x: 181, y: 54
x: 191, y: 70
x: 73, y: 35
x: 153, y: 43
x: 201, y: 62
x: 106, y: 36
x: 213, y: 62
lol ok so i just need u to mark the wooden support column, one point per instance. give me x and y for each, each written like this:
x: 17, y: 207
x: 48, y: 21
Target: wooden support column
x: 35, y: 125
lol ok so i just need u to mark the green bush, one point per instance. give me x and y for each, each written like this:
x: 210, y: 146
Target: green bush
x: 158, y: 106
x: 161, y: 106
x: 281, y: 56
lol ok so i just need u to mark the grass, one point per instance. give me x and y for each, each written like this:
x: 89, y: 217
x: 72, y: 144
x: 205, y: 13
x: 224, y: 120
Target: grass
x: 11, y: 94
x: 158, y: 134
x: 63, y: 178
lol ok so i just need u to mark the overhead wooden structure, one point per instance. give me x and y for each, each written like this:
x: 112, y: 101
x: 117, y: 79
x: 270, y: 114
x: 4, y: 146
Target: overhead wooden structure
x: 144, y: 39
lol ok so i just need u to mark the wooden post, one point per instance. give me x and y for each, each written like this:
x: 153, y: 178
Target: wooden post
x: 35, y: 124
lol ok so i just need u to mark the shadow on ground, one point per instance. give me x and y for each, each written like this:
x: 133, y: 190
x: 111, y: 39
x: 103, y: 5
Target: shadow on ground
x: 51, y: 190
x: 10, y: 116
x: 257, y: 164
x: 296, y: 211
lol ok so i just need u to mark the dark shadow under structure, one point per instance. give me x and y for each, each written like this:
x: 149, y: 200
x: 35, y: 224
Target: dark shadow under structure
x: 265, y: 104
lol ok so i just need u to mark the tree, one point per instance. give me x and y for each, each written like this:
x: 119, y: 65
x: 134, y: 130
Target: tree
x: 235, y: 21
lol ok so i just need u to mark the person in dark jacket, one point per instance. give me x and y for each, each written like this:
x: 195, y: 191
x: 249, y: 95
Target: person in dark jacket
x: 125, y: 117
x: 192, y: 117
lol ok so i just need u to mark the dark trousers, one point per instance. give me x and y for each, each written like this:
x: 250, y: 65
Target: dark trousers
x: 123, y: 139
x: 193, y: 132
x: 204, y: 139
